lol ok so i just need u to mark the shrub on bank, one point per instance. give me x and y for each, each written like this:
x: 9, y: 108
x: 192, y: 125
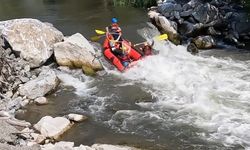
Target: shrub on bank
x: 135, y: 3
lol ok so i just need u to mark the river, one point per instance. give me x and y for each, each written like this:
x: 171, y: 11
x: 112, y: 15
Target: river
x: 172, y: 100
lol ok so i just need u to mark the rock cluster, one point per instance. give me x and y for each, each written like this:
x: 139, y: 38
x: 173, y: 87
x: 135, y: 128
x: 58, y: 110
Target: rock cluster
x: 30, y: 53
x: 26, y: 44
x: 202, y: 23
x: 70, y: 146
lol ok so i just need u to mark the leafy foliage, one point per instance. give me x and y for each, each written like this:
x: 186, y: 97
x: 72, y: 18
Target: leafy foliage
x: 135, y: 3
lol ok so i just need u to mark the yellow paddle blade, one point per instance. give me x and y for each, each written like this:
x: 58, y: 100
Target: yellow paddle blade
x: 95, y: 38
x: 100, y: 32
x: 162, y: 37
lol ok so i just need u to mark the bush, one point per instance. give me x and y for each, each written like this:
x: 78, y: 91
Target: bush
x: 135, y: 3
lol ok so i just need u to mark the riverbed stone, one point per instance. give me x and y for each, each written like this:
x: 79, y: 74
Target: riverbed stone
x: 25, y: 102
x: 7, y: 131
x: 75, y: 52
x: 11, y: 147
x: 76, y: 117
x: 31, y: 39
x: 38, y: 138
x: 59, y: 146
x: 46, y: 82
x: 204, y: 42
x: 205, y: 13
x: 112, y: 147
x: 52, y: 127
x: 41, y: 101
x: 70, y: 146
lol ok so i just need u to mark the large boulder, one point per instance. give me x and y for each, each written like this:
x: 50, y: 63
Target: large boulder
x: 205, y: 13
x: 204, y: 42
x: 168, y: 7
x: 31, y: 39
x: 46, y: 82
x: 76, y: 51
x: 52, y: 127
x: 165, y: 25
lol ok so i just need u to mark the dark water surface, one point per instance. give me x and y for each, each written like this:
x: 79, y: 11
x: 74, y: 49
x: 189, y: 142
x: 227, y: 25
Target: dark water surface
x: 72, y: 16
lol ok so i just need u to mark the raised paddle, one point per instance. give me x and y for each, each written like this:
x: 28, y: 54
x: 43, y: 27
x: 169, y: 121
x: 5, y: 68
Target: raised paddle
x: 96, y: 38
x: 100, y: 32
x: 100, y: 35
x: 159, y: 37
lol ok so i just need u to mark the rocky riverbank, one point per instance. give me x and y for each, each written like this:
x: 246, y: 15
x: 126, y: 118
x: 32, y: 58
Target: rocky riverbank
x: 202, y: 24
x: 31, y: 53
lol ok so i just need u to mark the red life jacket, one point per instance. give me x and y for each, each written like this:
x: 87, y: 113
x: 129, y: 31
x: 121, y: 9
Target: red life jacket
x: 115, y: 28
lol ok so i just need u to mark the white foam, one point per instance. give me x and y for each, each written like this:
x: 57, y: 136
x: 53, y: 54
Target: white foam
x: 210, y: 93
x: 80, y: 82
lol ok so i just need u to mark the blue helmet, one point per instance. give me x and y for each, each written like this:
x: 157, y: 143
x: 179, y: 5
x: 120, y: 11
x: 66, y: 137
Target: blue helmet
x: 114, y: 20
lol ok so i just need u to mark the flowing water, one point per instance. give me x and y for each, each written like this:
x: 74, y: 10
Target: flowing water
x: 172, y: 100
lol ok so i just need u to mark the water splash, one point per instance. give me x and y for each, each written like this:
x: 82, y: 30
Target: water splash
x: 76, y: 79
x: 208, y: 93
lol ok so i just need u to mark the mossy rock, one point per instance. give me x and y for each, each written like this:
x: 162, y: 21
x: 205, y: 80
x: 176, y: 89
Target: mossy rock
x: 87, y: 70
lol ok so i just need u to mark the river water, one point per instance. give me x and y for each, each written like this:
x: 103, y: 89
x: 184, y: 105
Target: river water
x: 172, y: 100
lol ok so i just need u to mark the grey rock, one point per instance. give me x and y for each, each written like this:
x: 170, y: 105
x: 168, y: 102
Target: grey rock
x: 24, y: 79
x: 176, y: 15
x: 25, y: 102
x: 111, y: 147
x: 7, y: 131
x: 169, y: 7
x: 45, y: 83
x: 212, y: 31
x: 76, y: 117
x: 9, y: 94
x: 205, y: 13
x: 52, y: 127
x: 186, y: 13
x: 6, y: 114
x: 41, y: 101
x: 32, y: 39
x: 1, y: 40
x: 11, y: 147
x: 14, y: 104
x: 76, y: 52
x: 38, y: 138
x: 186, y: 28
x: 192, y: 48
x: 8, y: 51
x: 17, y: 122
x: 204, y: 42
x: 246, y: 37
x: 242, y: 27
x: 27, y: 68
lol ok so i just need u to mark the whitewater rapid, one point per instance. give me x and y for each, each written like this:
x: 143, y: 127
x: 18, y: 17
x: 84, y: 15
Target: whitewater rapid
x: 207, y: 93
x: 192, y: 97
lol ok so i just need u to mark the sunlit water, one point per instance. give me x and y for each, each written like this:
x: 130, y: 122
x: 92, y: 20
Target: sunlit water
x: 172, y: 100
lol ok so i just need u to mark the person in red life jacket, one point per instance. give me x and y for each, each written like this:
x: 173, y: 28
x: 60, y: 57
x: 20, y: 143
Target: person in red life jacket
x: 115, y: 30
x: 114, y: 34
x: 147, y: 48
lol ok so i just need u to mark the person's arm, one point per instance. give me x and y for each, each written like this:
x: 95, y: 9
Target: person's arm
x: 119, y: 30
